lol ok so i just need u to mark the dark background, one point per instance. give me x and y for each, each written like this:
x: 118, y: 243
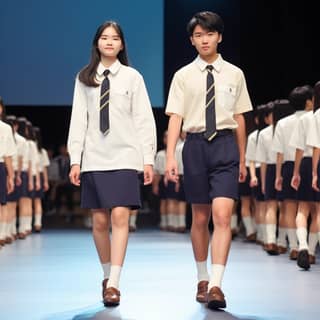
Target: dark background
x: 273, y: 42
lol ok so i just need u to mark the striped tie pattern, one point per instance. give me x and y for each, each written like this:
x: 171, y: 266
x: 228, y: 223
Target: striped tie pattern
x: 211, y: 130
x: 104, y: 104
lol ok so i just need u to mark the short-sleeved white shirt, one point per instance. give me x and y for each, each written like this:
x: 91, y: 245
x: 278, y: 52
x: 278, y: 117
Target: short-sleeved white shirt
x: 187, y: 96
x: 7, y: 145
x: 251, y: 149
x: 265, y: 153
x: 313, y: 135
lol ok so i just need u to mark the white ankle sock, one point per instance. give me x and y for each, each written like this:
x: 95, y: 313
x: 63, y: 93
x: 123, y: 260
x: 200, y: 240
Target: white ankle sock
x: 23, y: 224
x: 202, y: 271
x: 182, y: 221
x: 37, y: 220
x: 132, y: 220
x: 313, y: 241
x: 106, y: 269
x: 217, y: 271
x: 302, y: 238
x: 271, y: 233
x: 282, y: 237
x: 234, y: 221
x: 163, y: 221
x: 114, y: 278
x: 292, y: 237
x: 247, y: 221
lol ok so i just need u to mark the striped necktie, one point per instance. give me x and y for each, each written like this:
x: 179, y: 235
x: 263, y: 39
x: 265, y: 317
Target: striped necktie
x: 104, y: 104
x: 211, y: 130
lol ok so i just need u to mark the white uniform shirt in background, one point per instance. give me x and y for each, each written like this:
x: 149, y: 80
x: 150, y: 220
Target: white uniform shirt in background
x: 265, y: 153
x: 298, y: 138
x: 282, y: 135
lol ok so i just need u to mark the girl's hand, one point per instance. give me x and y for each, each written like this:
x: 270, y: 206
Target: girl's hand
x: 74, y: 175
x: 278, y: 183
x: 254, y: 182
x: 295, y: 181
x: 172, y: 170
x: 148, y: 174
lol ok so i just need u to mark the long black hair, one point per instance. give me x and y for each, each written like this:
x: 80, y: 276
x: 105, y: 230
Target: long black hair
x: 88, y: 74
x: 22, y: 126
x: 38, y: 137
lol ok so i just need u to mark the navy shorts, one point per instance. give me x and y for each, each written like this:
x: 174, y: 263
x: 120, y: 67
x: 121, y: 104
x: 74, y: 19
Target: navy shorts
x: 257, y: 191
x: 39, y: 193
x: 3, y: 184
x: 24, y: 188
x: 211, y: 169
x: 305, y: 191
x: 270, y: 192
x: 244, y: 187
x: 110, y: 189
x: 288, y: 193
x: 15, y: 195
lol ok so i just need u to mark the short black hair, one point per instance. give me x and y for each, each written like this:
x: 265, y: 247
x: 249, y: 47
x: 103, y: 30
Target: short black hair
x: 299, y: 96
x: 316, y: 93
x: 207, y: 20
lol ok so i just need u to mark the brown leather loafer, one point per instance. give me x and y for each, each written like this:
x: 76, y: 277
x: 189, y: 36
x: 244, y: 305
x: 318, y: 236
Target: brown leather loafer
x: 216, y: 299
x: 282, y: 250
x: 272, y: 249
x: 104, y: 287
x: 293, y: 254
x: 111, y: 297
x: 251, y: 237
x: 202, y: 293
x: 312, y: 259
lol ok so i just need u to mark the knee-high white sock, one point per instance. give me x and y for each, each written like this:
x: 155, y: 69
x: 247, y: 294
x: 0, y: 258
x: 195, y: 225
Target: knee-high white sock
x: 106, y: 269
x: 217, y: 271
x: 271, y: 233
x: 302, y: 238
x: 247, y: 221
x: 114, y: 278
x: 282, y: 237
x: 292, y: 237
x: 313, y: 241
x: 202, y: 271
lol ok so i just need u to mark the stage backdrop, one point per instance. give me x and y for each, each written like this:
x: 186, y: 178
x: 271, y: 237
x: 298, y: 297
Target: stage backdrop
x: 44, y: 43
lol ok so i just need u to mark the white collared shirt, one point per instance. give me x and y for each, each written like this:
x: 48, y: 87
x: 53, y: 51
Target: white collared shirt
x: 131, y: 141
x: 313, y: 135
x: 298, y: 138
x: 43, y: 159
x: 251, y: 149
x: 33, y: 157
x: 7, y: 145
x: 187, y: 96
x: 22, y: 150
x: 265, y: 153
x: 282, y: 135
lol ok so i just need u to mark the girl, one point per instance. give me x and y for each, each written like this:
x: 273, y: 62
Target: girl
x: 44, y: 184
x: 110, y: 93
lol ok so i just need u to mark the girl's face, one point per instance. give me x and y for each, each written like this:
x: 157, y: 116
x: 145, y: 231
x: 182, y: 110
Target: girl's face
x: 109, y: 43
x: 206, y: 42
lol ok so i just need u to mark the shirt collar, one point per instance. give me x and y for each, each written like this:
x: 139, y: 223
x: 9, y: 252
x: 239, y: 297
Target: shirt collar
x: 114, y: 68
x: 217, y: 64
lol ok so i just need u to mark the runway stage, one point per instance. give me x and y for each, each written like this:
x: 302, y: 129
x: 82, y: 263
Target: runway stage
x: 56, y: 275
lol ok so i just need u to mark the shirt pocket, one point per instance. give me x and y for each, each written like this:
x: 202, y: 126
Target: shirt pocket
x: 121, y: 98
x: 226, y: 96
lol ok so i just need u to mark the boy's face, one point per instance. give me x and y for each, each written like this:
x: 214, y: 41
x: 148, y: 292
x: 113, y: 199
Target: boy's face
x: 206, y: 42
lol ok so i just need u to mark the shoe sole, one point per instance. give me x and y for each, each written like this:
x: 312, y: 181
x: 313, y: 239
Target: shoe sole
x: 216, y: 304
x: 111, y: 304
x: 303, y: 259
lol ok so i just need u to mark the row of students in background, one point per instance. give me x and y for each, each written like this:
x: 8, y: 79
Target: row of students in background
x: 24, y: 177
x: 283, y: 203
x: 172, y: 203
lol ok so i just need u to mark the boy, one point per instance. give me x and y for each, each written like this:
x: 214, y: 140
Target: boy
x: 209, y: 95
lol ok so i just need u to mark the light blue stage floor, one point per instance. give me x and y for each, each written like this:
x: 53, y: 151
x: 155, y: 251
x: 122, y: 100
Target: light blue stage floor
x: 56, y: 275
